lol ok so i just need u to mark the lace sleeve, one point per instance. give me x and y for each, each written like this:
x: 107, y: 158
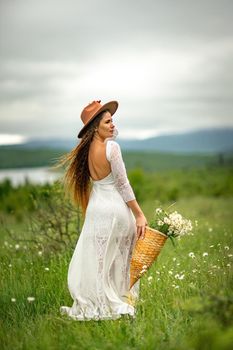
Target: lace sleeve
x: 114, y: 156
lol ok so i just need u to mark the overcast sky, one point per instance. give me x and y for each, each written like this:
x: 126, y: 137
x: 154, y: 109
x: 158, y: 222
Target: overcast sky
x: 169, y: 63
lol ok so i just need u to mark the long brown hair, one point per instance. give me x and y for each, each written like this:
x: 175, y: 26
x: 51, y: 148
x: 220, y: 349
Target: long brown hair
x: 76, y: 178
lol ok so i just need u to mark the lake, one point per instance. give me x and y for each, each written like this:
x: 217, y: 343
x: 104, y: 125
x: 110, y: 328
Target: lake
x: 38, y: 175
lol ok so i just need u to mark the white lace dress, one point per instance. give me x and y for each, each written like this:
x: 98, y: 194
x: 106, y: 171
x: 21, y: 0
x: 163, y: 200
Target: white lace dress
x: 99, y: 270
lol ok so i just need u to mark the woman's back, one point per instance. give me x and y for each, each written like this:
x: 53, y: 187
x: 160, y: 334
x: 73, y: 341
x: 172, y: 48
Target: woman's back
x: 98, y: 164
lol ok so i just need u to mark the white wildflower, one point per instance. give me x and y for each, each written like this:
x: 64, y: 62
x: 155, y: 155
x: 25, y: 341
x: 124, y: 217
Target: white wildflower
x: 192, y: 255
x: 228, y: 265
x: 160, y: 223
x: 40, y: 252
x: 46, y: 268
x: 17, y: 246
x: 230, y: 255
x: 13, y: 300
x: 30, y: 299
x: 210, y: 229
x: 175, y: 286
x: 174, y: 259
x: 226, y: 247
x: 181, y: 277
x: 170, y: 272
x: 150, y: 278
x: 211, y: 246
x: 158, y: 210
x: 205, y: 254
x: 167, y: 220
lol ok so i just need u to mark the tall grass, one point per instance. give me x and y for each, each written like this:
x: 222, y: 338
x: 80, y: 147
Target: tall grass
x: 193, y: 312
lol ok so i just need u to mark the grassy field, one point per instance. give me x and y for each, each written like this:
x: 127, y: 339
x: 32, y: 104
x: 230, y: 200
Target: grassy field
x: 192, y: 311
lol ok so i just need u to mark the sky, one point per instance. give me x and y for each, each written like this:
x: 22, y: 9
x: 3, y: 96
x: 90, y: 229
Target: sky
x: 169, y: 64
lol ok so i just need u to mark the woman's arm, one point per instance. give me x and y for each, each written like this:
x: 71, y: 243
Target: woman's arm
x: 141, y: 221
x: 114, y: 156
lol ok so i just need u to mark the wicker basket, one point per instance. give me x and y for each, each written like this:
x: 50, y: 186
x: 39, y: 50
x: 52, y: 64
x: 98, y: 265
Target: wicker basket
x: 145, y: 252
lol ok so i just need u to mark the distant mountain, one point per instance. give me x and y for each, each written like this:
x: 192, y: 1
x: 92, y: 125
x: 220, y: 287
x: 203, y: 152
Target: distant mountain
x: 199, y: 141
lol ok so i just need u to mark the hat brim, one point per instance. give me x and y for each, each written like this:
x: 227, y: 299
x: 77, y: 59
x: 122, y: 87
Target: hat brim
x: 111, y: 106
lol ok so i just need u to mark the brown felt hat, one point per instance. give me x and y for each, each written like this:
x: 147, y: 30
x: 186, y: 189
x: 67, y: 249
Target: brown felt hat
x: 92, y: 110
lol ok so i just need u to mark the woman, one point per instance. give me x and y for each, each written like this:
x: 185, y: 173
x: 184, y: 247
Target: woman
x: 98, y: 274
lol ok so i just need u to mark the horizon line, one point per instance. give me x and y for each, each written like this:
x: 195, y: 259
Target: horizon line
x: 17, y: 139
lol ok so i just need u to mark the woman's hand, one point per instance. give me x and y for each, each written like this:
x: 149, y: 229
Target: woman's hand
x: 141, y: 224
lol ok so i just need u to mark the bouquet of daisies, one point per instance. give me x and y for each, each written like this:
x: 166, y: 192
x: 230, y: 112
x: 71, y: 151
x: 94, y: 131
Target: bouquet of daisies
x: 171, y: 224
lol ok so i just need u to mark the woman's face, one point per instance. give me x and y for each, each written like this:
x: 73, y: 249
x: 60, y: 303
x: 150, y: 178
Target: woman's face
x: 106, y: 126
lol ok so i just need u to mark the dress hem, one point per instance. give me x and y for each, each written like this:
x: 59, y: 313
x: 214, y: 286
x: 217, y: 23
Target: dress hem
x: 122, y: 310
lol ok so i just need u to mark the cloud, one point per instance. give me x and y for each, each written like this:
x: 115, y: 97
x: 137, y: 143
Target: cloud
x: 168, y: 63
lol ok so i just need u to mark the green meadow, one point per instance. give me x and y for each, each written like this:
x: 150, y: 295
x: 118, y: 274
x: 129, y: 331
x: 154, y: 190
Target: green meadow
x: 186, y: 298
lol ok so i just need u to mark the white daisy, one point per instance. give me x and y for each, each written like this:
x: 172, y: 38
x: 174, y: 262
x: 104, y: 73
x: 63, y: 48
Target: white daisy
x: 30, y: 299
